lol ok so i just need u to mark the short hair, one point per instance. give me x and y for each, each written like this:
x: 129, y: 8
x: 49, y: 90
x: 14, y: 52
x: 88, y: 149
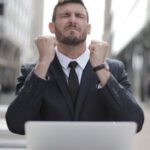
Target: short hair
x: 63, y: 2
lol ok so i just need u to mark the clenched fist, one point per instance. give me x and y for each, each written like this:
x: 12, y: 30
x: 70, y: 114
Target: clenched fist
x: 46, y: 45
x: 98, y: 52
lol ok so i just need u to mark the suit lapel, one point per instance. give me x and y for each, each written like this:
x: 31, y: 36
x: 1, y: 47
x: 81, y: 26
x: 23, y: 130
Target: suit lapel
x: 85, y: 83
x: 58, y: 74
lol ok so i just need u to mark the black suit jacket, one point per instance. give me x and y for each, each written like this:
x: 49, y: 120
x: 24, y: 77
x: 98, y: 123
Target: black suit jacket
x: 50, y: 99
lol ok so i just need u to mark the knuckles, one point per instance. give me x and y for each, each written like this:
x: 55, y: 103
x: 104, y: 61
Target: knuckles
x: 96, y: 45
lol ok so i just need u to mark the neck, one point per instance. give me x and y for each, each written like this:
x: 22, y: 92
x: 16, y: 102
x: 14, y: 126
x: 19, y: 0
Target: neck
x: 72, y: 51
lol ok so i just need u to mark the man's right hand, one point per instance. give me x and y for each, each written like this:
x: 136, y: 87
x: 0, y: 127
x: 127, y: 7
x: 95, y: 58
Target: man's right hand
x: 45, y: 45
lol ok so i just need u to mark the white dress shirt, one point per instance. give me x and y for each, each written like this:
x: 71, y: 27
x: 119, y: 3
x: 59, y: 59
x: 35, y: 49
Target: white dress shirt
x: 81, y: 60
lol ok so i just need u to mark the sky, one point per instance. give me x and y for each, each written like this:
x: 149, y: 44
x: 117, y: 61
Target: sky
x: 130, y: 17
x: 96, y: 13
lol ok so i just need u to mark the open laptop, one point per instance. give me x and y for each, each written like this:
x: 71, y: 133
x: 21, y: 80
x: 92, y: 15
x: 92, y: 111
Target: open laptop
x: 80, y: 135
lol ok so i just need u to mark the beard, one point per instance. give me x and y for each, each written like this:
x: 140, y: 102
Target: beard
x: 71, y: 39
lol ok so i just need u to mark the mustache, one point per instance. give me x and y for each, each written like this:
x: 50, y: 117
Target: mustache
x: 72, y: 26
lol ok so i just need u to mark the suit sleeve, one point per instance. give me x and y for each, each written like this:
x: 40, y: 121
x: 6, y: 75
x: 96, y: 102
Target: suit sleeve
x: 120, y: 102
x: 26, y: 105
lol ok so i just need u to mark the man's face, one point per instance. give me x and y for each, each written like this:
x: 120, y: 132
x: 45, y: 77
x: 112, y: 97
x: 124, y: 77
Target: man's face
x: 71, y: 26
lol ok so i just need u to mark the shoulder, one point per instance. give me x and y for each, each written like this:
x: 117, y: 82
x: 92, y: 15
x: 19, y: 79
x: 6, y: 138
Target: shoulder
x: 27, y: 68
x: 115, y: 64
x: 116, y: 67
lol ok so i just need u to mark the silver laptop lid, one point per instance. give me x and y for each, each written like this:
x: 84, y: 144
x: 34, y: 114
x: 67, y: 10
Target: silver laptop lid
x: 80, y: 135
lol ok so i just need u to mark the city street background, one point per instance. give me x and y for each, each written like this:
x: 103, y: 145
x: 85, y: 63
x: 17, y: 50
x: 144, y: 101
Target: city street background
x: 125, y: 25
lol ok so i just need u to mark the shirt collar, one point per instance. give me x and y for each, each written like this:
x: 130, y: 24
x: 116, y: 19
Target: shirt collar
x: 81, y: 60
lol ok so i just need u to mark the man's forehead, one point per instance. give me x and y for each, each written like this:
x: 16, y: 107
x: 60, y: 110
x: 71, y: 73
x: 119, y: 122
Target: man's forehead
x: 71, y: 7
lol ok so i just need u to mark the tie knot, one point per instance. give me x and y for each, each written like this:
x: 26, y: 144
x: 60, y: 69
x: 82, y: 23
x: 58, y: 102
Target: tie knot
x: 73, y: 64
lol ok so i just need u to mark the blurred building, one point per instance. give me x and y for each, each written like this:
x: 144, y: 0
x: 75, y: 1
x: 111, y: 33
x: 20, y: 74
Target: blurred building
x: 20, y: 22
x: 127, y: 28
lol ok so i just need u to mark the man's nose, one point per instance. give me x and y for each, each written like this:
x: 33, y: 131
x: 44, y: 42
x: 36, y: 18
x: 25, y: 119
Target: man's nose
x: 72, y: 18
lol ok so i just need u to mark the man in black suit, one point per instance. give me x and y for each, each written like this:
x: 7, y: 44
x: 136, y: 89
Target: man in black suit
x: 45, y: 90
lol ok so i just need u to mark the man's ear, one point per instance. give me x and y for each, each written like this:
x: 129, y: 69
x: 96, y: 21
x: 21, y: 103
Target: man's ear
x: 51, y: 27
x: 89, y: 29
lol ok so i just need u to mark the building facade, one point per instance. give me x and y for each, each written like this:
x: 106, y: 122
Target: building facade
x: 20, y: 22
x: 129, y: 32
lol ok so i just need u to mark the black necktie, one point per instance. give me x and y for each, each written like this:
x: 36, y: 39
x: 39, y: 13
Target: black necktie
x: 73, y: 80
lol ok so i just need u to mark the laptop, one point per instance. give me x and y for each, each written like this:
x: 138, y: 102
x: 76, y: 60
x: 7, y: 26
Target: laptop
x: 48, y: 135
